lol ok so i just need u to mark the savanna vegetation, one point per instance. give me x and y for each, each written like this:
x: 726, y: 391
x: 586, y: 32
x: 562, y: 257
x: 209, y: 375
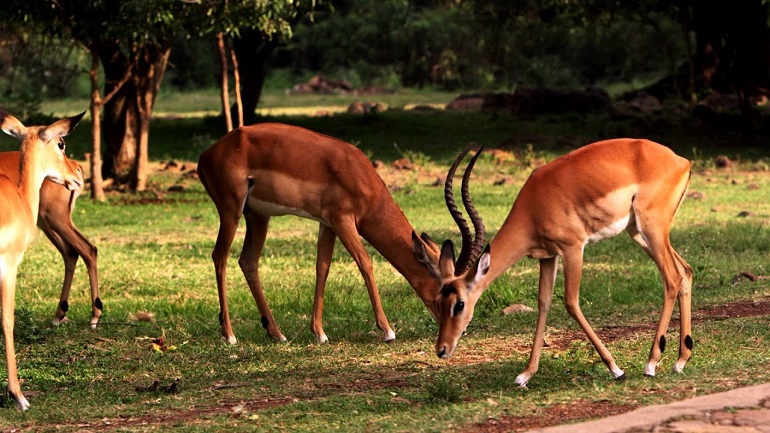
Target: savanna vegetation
x: 154, y: 260
x: 157, y: 361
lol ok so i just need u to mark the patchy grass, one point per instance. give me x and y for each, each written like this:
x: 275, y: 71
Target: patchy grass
x: 154, y: 257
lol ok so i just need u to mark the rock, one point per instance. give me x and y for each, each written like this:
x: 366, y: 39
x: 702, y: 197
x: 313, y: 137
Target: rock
x: 517, y: 308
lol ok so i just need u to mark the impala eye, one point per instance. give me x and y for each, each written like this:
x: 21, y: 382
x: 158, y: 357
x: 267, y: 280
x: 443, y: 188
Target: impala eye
x: 61, y: 145
x: 459, y: 306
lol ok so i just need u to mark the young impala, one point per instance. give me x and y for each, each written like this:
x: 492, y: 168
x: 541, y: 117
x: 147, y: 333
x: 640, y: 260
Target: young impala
x: 42, y: 156
x: 55, y: 219
x: 590, y: 194
x: 273, y: 169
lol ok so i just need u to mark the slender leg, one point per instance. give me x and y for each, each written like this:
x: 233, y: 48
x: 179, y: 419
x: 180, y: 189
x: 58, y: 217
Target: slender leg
x: 548, y: 269
x: 8, y: 289
x: 326, y: 239
x: 685, y: 309
x: 256, y: 232
x: 55, y: 219
x: 677, y: 282
x: 70, y: 257
x: 71, y: 245
x: 573, y: 269
x: 227, y: 227
x: 350, y: 238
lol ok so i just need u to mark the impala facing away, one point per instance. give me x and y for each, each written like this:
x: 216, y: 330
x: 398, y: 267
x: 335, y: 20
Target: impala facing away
x: 42, y: 156
x: 273, y: 169
x: 590, y: 194
x: 55, y: 219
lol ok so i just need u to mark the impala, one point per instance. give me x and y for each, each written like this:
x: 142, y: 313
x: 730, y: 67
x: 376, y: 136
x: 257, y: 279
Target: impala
x: 273, y: 169
x: 590, y: 194
x: 55, y: 219
x: 42, y: 156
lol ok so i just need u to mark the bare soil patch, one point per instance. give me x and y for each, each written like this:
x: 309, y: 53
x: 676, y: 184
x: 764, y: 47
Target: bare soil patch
x: 548, y: 416
x: 551, y: 416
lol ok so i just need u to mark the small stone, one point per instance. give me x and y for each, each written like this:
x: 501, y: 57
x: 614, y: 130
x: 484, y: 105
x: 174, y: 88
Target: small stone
x: 516, y: 308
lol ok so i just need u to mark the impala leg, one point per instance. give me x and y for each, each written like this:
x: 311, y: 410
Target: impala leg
x: 352, y: 241
x: 256, y: 232
x: 70, y: 257
x: 71, y: 245
x: 88, y: 252
x: 326, y: 239
x: 573, y: 270
x: 227, y: 227
x: 8, y: 288
x: 685, y: 312
x: 548, y: 269
x: 677, y: 282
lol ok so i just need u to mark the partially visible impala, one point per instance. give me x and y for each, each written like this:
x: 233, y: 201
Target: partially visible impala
x: 55, y: 219
x: 590, y: 194
x: 273, y: 169
x: 42, y: 156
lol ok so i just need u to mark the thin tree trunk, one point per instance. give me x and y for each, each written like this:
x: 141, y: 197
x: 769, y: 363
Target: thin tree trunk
x: 224, y: 86
x: 237, y: 88
x: 97, y: 184
x: 152, y: 67
x: 253, y: 50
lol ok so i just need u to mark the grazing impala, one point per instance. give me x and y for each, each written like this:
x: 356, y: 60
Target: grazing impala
x: 55, y: 219
x: 42, y: 156
x: 273, y: 169
x: 590, y: 194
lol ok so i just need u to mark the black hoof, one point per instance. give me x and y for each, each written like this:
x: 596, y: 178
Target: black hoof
x: 621, y: 378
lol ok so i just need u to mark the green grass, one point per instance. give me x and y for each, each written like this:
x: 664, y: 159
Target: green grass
x: 198, y: 102
x: 156, y: 258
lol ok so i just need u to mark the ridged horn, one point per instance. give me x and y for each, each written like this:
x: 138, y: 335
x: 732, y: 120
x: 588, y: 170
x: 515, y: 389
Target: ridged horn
x: 477, y: 247
x: 471, y: 247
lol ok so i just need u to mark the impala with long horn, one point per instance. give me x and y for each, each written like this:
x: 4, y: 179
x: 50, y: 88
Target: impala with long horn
x: 587, y: 195
x: 55, y: 220
x: 42, y: 156
x: 273, y: 169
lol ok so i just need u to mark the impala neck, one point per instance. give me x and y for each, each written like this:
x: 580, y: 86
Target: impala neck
x: 390, y: 233
x: 30, y: 180
x: 513, y: 242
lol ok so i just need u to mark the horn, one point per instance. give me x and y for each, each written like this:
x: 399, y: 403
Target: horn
x: 469, y: 247
x: 474, y: 250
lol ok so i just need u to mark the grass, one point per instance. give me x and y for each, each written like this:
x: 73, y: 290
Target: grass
x: 155, y: 258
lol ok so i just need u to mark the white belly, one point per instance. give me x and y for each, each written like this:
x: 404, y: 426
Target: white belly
x: 609, y: 231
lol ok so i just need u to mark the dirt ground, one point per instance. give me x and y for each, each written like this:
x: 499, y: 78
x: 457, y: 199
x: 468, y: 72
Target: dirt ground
x: 545, y: 417
x: 396, y: 176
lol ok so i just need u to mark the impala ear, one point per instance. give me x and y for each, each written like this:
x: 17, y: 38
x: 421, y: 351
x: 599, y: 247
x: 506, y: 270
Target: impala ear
x: 478, y: 272
x: 60, y: 128
x: 11, y: 125
x: 446, y: 262
x: 427, y: 253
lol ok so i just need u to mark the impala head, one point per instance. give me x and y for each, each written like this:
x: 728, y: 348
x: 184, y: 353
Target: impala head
x: 457, y: 298
x: 44, y: 147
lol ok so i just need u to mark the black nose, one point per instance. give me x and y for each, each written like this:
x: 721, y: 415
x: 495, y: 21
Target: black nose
x: 441, y: 353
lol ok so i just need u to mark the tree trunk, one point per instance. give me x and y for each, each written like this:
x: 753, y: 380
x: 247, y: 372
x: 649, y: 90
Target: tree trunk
x: 97, y: 102
x: 224, y: 91
x: 97, y: 186
x: 253, y: 49
x: 120, y: 124
x: 237, y: 88
x: 148, y: 74
x: 127, y: 116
